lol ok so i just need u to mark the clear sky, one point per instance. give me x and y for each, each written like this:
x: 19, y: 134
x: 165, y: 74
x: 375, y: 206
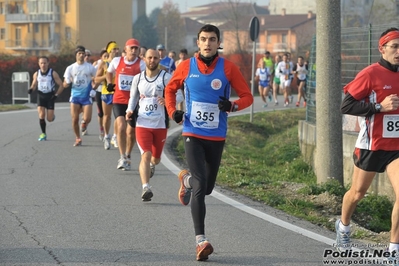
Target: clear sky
x: 185, y: 4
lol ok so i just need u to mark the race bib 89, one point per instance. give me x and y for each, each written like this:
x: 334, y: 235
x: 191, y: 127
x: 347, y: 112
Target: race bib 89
x: 391, y: 126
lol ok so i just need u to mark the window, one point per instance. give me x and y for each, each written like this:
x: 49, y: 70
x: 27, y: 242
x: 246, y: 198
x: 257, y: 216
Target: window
x: 66, y: 6
x: 2, y: 8
x: 2, y: 33
x: 284, y: 38
x: 68, y: 33
x: 36, y: 27
x: 32, y: 7
x: 269, y: 39
x: 18, y: 36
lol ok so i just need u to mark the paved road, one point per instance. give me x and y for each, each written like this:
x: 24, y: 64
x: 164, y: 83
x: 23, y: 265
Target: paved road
x: 65, y: 205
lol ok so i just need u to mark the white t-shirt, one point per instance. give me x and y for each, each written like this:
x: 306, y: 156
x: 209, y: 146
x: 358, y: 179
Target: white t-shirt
x: 80, y: 76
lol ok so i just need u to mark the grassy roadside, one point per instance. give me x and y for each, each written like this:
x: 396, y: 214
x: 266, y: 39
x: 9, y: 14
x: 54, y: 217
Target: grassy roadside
x: 262, y: 161
x: 12, y: 107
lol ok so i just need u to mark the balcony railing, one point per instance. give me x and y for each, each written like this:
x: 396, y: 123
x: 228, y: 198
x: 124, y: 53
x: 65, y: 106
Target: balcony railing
x: 36, y: 18
x: 280, y: 47
x: 30, y: 44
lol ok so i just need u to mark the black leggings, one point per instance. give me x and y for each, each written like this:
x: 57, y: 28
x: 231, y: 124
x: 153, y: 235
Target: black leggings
x: 203, y: 159
x: 99, y: 102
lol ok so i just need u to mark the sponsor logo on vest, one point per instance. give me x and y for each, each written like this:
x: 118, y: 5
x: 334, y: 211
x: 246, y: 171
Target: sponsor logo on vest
x: 216, y: 84
x: 387, y: 87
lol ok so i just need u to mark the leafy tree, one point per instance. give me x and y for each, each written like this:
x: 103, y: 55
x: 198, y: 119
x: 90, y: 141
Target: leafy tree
x: 145, y: 32
x: 154, y: 15
x: 171, y: 25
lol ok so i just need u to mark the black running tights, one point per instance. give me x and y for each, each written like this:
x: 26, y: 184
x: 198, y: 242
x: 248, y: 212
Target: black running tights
x: 203, y: 159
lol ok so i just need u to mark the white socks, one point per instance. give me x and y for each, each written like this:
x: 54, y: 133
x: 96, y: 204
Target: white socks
x: 345, y: 228
x: 393, y: 246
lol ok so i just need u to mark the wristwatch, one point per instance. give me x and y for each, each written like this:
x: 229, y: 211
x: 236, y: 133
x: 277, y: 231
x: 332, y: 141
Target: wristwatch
x: 377, y: 107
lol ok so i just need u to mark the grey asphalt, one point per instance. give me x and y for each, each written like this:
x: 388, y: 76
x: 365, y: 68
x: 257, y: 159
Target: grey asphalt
x: 65, y: 205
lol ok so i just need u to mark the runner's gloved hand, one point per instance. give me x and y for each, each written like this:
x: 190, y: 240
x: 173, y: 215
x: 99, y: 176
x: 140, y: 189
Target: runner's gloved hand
x: 110, y: 87
x: 178, y: 116
x: 30, y: 91
x: 92, y: 93
x: 224, y: 104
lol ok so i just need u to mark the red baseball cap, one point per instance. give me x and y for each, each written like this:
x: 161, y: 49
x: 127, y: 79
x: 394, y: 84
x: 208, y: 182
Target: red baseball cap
x: 132, y: 42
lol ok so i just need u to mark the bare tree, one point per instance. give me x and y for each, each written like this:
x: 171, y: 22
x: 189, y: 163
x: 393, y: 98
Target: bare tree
x: 170, y: 26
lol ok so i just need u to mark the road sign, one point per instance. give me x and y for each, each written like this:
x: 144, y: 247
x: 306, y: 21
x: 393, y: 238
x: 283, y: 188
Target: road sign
x: 254, y: 28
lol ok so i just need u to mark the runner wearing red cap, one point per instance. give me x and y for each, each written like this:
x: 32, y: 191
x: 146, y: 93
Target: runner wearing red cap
x: 124, y: 69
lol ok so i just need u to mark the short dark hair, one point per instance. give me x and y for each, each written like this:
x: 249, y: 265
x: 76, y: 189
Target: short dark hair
x: 183, y: 51
x: 209, y: 28
x: 103, y: 51
x: 43, y: 57
x: 80, y: 48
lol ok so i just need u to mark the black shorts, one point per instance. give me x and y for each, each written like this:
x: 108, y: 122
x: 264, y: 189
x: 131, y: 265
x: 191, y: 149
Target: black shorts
x: 120, y: 110
x: 44, y: 100
x: 298, y: 81
x: 374, y: 161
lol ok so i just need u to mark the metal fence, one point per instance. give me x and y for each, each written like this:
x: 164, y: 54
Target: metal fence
x: 359, y: 48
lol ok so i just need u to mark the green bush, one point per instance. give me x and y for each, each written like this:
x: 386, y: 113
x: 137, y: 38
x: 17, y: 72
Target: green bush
x: 374, y: 213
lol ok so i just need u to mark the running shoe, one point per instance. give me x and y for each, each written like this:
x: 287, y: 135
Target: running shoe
x: 291, y: 99
x: 83, y: 128
x: 393, y: 258
x: 343, y: 238
x: 121, y: 164
x: 127, y: 165
x: 114, y: 142
x: 204, y: 249
x: 152, y: 168
x: 270, y: 96
x: 101, y: 136
x: 286, y: 103
x: 304, y: 104
x: 107, y: 144
x: 265, y: 105
x: 184, y: 193
x: 275, y: 103
x: 78, y: 142
x: 297, y: 104
x: 42, y: 137
x: 147, y: 194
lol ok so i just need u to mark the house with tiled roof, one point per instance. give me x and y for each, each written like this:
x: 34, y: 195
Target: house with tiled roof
x: 191, y: 29
x: 218, y: 13
x: 277, y: 33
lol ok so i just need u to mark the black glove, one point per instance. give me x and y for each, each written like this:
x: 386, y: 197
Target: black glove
x: 30, y: 91
x: 54, y: 97
x: 110, y: 87
x: 224, y: 104
x: 178, y: 116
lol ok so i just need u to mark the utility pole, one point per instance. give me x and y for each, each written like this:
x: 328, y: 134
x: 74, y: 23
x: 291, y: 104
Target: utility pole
x: 329, y: 157
x: 166, y: 38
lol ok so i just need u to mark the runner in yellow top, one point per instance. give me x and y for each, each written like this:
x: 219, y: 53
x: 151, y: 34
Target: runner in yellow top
x: 269, y: 64
x: 106, y: 96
